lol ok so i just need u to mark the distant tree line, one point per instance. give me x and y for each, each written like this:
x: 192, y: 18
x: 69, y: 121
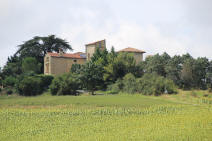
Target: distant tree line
x: 115, y: 72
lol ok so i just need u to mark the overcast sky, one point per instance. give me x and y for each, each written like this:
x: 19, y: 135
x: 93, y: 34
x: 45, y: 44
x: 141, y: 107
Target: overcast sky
x: 155, y: 26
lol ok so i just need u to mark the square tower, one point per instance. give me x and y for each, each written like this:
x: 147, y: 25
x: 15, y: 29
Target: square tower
x: 91, y: 48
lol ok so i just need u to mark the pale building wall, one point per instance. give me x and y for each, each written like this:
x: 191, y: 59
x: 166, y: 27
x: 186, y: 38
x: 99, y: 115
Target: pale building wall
x: 47, y: 65
x: 90, y: 50
x: 138, y: 57
x: 60, y: 65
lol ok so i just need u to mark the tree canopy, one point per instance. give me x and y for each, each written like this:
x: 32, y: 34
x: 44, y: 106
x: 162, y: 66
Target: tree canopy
x: 39, y: 46
x: 30, y: 64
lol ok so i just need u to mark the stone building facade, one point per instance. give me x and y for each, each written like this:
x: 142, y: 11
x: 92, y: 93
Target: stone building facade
x: 91, y: 48
x: 138, y: 54
x: 60, y: 63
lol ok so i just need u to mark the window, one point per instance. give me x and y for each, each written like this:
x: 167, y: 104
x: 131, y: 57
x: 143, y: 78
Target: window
x: 100, y: 45
x: 75, y: 61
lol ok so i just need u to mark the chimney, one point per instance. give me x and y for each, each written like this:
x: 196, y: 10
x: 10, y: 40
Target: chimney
x: 61, y: 52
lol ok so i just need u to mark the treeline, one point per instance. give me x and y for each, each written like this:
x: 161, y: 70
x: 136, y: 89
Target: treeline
x: 111, y: 71
x: 156, y: 75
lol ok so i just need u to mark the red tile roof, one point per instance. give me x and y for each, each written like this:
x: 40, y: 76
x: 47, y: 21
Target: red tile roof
x: 94, y: 42
x: 129, y: 49
x: 67, y: 55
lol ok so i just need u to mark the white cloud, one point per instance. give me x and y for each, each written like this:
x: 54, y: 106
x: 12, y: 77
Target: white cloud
x: 175, y: 27
x: 147, y: 38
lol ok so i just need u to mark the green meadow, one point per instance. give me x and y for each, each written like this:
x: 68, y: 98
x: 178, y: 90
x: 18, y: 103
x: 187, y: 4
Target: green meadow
x: 183, y: 117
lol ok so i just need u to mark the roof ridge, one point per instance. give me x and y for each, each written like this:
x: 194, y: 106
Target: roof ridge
x: 94, y: 42
x: 66, y: 55
x: 130, y: 49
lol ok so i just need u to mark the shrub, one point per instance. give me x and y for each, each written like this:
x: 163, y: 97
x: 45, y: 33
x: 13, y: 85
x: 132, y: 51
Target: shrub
x: 66, y: 84
x: 46, y: 80
x: 30, y: 86
x: 129, y: 83
x: 170, y: 87
x: 75, y: 68
x: 153, y: 84
x: 9, y: 81
x: 116, y: 87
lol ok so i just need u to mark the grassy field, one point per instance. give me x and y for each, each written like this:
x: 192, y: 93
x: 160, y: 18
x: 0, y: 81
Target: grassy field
x: 183, y: 117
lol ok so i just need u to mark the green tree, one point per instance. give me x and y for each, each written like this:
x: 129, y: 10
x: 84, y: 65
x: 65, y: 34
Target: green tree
x: 185, y: 57
x: 9, y: 81
x: 111, y: 56
x: 157, y: 64
x: 92, y: 76
x: 129, y: 83
x: 30, y: 64
x: 75, y: 68
x: 209, y: 76
x: 66, y: 84
x: 39, y: 46
x: 119, y: 66
x: 187, y: 74
x: 153, y: 84
x: 30, y: 86
x: 200, y: 72
x: 1, y: 79
x: 100, y: 57
x: 12, y: 67
x: 173, y: 69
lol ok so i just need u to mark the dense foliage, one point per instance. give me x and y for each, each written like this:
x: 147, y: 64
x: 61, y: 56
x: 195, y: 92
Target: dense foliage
x: 149, y: 84
x: 9, y: 81
x: 33, y: 85
x: 152, y: 84
x: 186, y: 71
x: 30, y: 64
x: 66, y: 84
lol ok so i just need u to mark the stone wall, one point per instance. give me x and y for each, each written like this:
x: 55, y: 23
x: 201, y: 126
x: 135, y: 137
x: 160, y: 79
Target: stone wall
x: 91, y: 48
x: 138, y: 57
x: 60, y: 65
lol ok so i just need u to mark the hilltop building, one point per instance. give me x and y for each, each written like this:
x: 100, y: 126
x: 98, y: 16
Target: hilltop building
x: 59, y: 63
x: 138, y: 54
